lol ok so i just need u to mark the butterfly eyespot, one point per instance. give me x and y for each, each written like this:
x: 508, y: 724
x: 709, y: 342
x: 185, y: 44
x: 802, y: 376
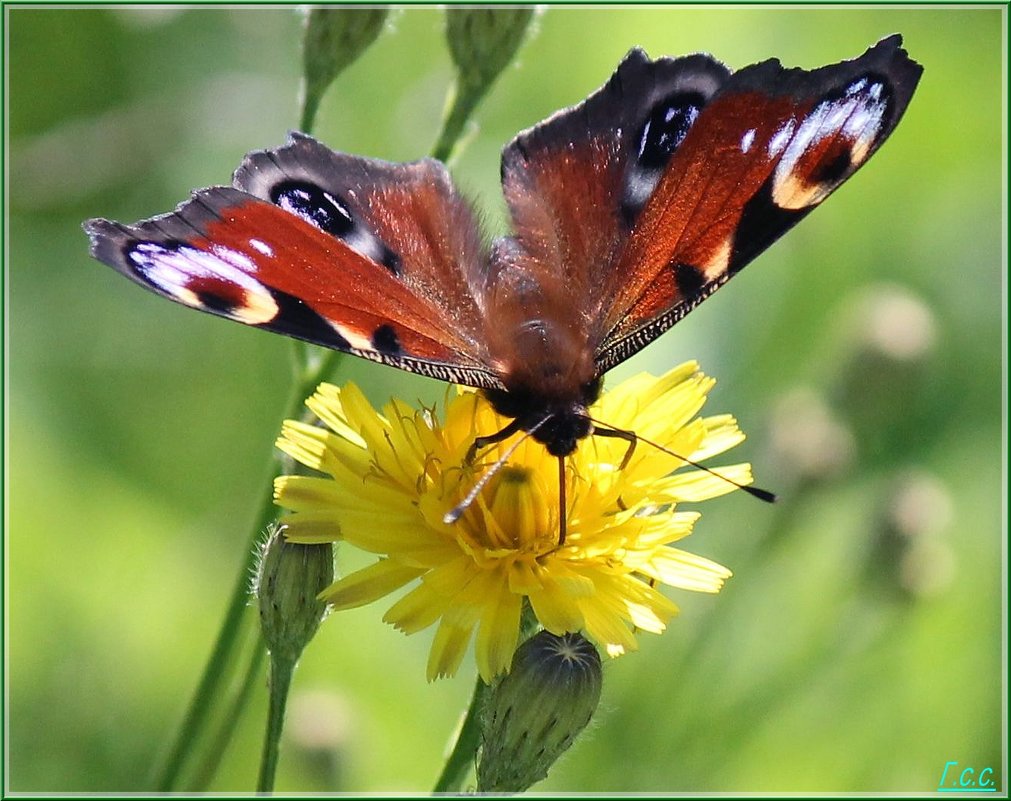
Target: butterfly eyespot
x: 386, y: 341
x: 314, y: 205
x: 219, y: 280
x: 665, y: 128
x: 834, y: 139
x: 326, y: 211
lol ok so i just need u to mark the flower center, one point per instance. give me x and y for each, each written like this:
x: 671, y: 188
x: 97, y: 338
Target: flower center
x: 522, y: 513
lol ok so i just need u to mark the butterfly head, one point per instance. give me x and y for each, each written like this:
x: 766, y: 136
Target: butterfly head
x: 557, y: 422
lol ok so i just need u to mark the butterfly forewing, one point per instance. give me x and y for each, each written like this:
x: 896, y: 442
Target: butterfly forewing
x: 408, y: 218
x: 371, y: 258
x: 768, y: 148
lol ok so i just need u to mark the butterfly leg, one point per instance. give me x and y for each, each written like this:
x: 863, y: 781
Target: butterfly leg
x: 491, y: 439
x: 618, y: 433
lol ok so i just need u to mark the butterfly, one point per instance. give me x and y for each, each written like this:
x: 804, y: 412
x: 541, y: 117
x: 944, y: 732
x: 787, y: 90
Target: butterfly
x: 628, y: 210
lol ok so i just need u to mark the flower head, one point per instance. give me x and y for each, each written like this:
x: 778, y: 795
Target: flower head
x: 391, y: 476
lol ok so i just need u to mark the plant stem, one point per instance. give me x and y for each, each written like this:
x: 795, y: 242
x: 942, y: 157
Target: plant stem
x: 238, y: 615
x: 461, y: 759
x: 235, y: 621
x: 216, y: 749
x: 281, y: 672
x: 463, y: 99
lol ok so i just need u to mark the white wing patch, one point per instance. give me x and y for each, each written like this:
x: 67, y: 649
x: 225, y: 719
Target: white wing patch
x: 219, y: 281
x: 852, y: 122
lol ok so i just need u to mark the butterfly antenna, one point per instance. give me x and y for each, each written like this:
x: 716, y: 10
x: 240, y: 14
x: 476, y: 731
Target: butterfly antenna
x: 457, y: 511
x: 632, y: 437
x: 562, y: 511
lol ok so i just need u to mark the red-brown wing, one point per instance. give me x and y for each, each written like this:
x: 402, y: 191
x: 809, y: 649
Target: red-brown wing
x: 764, y: 152
x: 576, y: 182
x: 353, y: 254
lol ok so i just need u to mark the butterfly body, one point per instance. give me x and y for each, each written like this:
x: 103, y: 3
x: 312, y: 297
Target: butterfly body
x: 628, y: 210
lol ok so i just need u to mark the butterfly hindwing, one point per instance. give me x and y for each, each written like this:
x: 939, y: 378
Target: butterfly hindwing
x: 576, y: 182
x: 769, y: 147
x: 315, y: 249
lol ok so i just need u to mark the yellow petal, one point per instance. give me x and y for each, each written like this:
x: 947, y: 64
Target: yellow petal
x: 698, y: 485
x: 448, y: 649
x: 366, y: 585
x: 557, y: 610
x: 498, y: 633
x: 678, y: 568
x: 417, y: 610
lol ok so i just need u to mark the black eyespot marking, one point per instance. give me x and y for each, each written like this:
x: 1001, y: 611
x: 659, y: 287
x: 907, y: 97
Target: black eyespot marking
x: 689, y: 279
x: 663, y: 131
x: 386, y: 341
x: 666, y: 127
x: 314, y: 205
x: 834, y: 170
x: 216, y: 303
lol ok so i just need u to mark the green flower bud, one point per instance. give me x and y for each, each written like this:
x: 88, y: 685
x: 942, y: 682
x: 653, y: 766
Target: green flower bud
x: 288, y: 579
x: 482, y: 41
x: 537, y: 710
x: 334, y: 39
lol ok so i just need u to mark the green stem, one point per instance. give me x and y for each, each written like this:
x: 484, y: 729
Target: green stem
x: 223, y: 736
x: 462, y: 102
x: 236, y: 618
x: 281, y: 672
x: 238, y: 615
x: 461, y: 760
x: 309, y: 109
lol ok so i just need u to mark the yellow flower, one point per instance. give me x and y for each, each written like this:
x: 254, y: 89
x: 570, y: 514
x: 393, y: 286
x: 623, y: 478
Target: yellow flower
x: 392, y: 476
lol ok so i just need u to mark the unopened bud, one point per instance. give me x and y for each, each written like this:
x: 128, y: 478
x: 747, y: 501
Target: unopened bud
x: 482, y: 41
x: 537, y: 710
x: 288, y: 579
x: 334, y: 39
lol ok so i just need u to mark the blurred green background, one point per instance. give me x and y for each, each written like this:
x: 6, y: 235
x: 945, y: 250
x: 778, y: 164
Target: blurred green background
x: 859, y: 645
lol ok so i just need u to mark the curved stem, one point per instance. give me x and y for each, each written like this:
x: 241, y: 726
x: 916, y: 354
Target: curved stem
x: 463, y: 100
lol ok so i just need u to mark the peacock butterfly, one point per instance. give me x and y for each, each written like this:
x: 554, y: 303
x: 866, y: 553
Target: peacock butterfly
x: 629, y: 209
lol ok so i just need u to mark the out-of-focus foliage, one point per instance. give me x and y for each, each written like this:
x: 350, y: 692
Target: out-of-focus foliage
x: 857, y: 648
